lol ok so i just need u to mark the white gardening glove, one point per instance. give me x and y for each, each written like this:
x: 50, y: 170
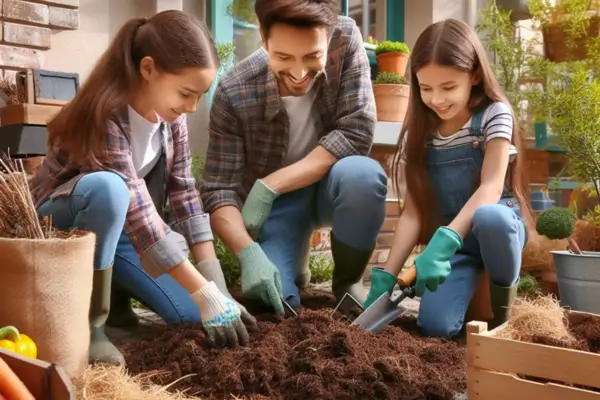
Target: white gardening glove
x: 220, y: 317
x: 211, y: 270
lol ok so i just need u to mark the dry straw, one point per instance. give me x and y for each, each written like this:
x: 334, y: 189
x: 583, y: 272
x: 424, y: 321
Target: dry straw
x: 536, y: 316
x: 101, y: 382
x: 18, y: 216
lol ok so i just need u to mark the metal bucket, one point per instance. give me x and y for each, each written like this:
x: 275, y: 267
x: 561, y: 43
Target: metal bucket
x: 578, y: 277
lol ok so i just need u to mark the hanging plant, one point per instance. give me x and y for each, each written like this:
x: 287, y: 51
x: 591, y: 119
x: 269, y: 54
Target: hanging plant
x: 243, y: 10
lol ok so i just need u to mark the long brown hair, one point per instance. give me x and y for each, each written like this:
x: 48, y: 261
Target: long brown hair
x: 448, y: 43
x: 173, y: 39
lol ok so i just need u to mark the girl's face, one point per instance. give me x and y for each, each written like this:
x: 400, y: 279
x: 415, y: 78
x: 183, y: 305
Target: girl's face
x: 446, y: 90
x: 171, y: 95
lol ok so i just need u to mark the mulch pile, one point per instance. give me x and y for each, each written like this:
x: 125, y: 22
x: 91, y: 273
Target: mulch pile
x: 313, y: 356
x: 586, y: 330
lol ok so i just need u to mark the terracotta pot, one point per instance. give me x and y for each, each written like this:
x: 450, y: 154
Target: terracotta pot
x: 391, y: 101
x: 392, y: 62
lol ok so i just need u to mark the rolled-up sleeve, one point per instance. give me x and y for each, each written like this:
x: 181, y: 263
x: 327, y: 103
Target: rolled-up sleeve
x: 190, y: 219
x: 356, y: 112
x: 223, y: 171
x: 158, y: 247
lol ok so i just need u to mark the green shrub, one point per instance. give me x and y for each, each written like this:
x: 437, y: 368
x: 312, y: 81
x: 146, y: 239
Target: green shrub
x: 321, y: 267
x: 391, y: 47
x: 555, y: 223
x: 389, y: 78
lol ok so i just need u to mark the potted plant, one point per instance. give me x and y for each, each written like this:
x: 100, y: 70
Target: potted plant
x: 569, y: 27
x: 391, y: 92
x: 577, y: 272
x: 392, y: 57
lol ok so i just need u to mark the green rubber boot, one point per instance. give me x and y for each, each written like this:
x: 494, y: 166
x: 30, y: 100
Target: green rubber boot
x: 501, y: 299
x: 102, y: 351
x: 349, y: 267
x: 121, y: 313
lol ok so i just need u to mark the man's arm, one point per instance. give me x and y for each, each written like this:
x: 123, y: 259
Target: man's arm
x: 354, y: 130
x: 222, y: 182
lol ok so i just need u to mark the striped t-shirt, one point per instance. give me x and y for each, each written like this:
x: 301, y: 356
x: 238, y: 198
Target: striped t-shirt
x: 497, y: 122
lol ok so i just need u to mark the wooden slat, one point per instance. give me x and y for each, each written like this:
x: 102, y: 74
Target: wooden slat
x: 490, y: 385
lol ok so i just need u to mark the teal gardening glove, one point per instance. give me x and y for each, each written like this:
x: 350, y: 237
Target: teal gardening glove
x: 381, y: 282
x: 257, y: 207
x: 260, y: 277
x: 433, y: 265
x: 220, y: 317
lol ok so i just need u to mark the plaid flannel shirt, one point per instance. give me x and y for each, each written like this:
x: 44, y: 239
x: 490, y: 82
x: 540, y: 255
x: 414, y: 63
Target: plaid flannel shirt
x: 159, y: 245
x: 249, y: 128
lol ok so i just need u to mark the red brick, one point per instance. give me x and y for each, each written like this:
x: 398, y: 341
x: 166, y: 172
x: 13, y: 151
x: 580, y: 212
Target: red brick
x: 60, y: 3
x: 17, y: 10
x: 389, y: 225
x: 64, y: 18
x: 19, y: 57
x: 27, y: 35
x: 385, y: 240
x: 392, y: 208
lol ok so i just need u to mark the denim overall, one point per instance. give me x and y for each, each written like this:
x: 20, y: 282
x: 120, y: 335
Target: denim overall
x: 496, y: 239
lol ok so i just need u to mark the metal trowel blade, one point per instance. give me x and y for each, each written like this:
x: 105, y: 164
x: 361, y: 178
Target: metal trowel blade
x: 289, y: 311
x: 381, y: 313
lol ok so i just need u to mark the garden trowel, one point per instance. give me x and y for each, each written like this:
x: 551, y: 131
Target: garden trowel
x: 289, y: 311
x: 387, y: 307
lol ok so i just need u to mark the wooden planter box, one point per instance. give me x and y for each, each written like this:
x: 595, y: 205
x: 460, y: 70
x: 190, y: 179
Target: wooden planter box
x: 537, y: 166
x: 493, y: 365
x: 27, y: 114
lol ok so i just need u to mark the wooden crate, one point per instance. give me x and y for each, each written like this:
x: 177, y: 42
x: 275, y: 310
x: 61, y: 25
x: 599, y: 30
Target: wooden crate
x: 537, y: 166
x: 493, y: 365
x: 27, y: 114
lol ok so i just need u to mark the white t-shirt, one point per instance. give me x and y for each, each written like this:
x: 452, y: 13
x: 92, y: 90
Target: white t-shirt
x: 145, y: 142
x: 497, y: 122
x: 302, y: 135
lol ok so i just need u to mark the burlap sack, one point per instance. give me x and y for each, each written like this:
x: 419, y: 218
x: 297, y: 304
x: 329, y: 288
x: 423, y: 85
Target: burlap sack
x: 46, y: 288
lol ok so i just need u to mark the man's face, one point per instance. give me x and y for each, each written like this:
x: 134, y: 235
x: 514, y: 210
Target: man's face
x: 296, y: 56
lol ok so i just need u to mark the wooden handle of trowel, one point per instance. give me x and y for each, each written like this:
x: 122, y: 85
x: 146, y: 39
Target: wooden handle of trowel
x: 407, y: 277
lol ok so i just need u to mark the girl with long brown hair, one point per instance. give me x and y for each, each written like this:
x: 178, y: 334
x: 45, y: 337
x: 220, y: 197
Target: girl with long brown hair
x: 119, y: 165
x: 460, y: 154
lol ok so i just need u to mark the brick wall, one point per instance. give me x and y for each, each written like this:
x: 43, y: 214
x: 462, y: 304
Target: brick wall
x: 26, y: 29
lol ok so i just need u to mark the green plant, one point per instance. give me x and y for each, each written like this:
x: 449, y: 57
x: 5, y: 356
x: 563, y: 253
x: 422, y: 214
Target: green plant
x: 226, y: 53
x: 389, y: 46
x: 389, y: 78
x: 243, y: 10
x: 321, y: 267
x: 512, y: 55
x: 557, y: 223
x: 528, y: 285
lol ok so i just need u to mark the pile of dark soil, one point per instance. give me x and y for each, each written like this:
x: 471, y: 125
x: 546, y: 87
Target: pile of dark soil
x: 313, y: 356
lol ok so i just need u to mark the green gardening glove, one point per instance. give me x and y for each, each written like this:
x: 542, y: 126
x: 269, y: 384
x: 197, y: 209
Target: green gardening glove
x: 381, y: 282
x: 433, y: 265
x: 260, y: 277
x: 257, y: 207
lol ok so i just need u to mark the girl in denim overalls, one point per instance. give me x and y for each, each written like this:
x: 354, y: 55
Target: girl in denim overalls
x: 460, y: 154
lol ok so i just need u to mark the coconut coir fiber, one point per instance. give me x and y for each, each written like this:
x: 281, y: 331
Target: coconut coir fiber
x: 312, y: 356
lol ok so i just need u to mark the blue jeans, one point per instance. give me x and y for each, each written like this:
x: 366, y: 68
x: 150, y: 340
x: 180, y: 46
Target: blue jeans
x: 351, y: 198
x: 496, y: 241
x: 99, y: 204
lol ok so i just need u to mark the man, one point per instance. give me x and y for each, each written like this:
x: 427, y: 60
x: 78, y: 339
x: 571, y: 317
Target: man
x: 290, y: 130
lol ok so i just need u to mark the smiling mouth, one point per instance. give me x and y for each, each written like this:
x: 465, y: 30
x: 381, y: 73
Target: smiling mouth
x: 443, y: 110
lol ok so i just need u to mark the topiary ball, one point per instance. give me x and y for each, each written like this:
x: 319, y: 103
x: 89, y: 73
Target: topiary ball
x: 555, y: 223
